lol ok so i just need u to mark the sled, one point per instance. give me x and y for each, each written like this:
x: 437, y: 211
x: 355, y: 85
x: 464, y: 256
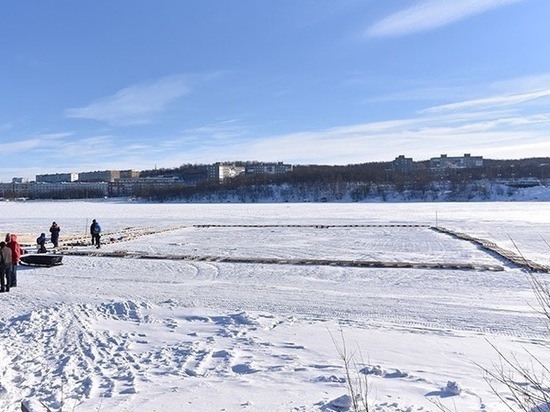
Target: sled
x: 41, y: 259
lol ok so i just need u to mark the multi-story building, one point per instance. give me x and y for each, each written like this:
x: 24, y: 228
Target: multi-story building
x: 46, y: 189
x: 129, y: 174
x: 402, y: 164
x: 99, y: 176
x: 268, y: 168
x: 457, y: 162
x: 128, y: 186
x: 18, y: 187
x: 57, y: 178
x: 223, y: 171
x: 80, y: 189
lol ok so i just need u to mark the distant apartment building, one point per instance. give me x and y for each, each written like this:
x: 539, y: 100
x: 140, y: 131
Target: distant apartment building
x: 47, y: 189
x: 223, y: 171
x: 268, y: 168
x: 129, y: 174
x: 402, y: 164
x: 84, y: 188
x: 17, y: 188
x: 57, y: 178
x: 99, y: 176
x: 456, y: 162
x: 128, y: 186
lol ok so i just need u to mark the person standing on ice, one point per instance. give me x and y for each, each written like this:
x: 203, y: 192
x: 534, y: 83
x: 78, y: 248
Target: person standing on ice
x: 54, y: 230
x: 5, y: 267
x: 95, y: 231
x: 16, y: 253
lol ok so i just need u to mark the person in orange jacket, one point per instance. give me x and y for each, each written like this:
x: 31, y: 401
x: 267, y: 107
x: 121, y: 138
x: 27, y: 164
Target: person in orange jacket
x: 16, y: 252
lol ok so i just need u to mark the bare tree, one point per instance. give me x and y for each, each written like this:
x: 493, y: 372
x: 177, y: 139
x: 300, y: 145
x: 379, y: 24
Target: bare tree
x: 356, y: 380
x: 527, y: 384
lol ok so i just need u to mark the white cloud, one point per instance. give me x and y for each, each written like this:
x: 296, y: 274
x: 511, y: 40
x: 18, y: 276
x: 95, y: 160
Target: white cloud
x: 492, y: 135
x: 36, y: 142
x: 491, y: 102
x: 20, y: 146
x: 522, y: 84
x: 135, y: 104
x: 222, y: 130
x: 431, y: 14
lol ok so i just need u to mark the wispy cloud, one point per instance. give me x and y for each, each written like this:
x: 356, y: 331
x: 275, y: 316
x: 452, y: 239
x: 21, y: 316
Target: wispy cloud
x: 36, y: 142
x: 221, y: 130
x: 504, y: 117
x: 488, y: 134
x: 511, y: 115
x: 507, y: 119
x: 491, y: 102
x: 431, y: 14
x: 135, y: 104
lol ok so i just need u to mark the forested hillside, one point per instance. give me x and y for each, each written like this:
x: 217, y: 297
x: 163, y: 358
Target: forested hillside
x: 379, y: 181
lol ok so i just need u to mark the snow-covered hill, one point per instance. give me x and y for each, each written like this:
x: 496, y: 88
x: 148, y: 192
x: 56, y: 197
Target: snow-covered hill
x: 481, y: 191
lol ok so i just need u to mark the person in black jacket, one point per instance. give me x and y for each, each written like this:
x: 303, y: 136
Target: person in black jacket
x: 95, y: 231
x: 54, y: 230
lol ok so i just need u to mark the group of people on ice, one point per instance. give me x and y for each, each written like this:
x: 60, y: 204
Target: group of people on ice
x: 54, y: 238
x: 10, y: 253
x: 95, y: 232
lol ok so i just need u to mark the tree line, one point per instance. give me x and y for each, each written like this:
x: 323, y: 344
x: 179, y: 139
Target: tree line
x: 355, y: 182
x: 318, y: 183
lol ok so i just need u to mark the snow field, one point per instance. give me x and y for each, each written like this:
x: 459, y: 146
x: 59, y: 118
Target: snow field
x: 122, y: 334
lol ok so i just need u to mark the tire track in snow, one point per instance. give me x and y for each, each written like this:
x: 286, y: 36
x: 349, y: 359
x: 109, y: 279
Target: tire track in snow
x: 72, y: 246
x: 447, y: 325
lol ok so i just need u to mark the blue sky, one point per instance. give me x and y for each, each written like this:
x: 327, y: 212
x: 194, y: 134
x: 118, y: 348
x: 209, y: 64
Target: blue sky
x: 135, y: 84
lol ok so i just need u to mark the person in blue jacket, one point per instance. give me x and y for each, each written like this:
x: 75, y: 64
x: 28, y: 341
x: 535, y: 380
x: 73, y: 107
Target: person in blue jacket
x: 95, y: 231
x: 41, y: 243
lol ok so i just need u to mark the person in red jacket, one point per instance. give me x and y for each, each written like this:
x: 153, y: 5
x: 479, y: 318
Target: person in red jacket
x: 16, y: 253
x: 5, y: 267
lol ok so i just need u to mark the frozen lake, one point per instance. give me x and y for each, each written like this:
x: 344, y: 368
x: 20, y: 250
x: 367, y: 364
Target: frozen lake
x: 129, y: 334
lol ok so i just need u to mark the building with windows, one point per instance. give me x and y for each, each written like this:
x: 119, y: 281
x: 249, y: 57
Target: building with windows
x: 57, y: 178
x: 456, y: 162
x: 402, y: 164
x: 129, y: 174
x: 99, y: 176
x: 268, y: 168
x: 17, y: 188
x: 45, y: 190
x: 223, y: 171
x: 129, y: 186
